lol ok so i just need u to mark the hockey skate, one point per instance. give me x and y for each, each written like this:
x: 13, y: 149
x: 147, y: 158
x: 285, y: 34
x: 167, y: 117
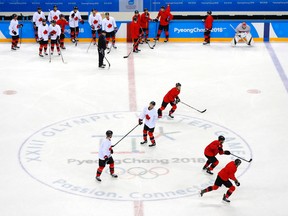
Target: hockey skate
x: 209, y: 171
x: 98, y: 178
x: 225, y: 199
x: 114, y: 175
x: 102, y: 66
x: 159, y: 113
x: 45, y: 53
x: 143, y: 142
x: 170, y: 115
x: 13, y: 48
x: 41, y: 55
x: 153, y: 144
x: 166, y: 40
x: 206, y: 43
x: 202, y: 192
x: 113, y: 45
x: 17, y: 47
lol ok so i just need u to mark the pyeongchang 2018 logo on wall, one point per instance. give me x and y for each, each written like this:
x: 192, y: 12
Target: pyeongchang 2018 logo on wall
x: 64, y: 156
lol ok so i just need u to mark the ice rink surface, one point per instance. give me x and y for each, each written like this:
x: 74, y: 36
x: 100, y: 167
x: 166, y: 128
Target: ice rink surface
x: 54, y: 115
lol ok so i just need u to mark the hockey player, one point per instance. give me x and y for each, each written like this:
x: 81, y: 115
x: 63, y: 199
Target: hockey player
x: 62, y: 22
x: 136, y: 15
x: 135, y: 34
x: 54, y: 14
x: 43, y: 33
x: 95, y: 21
x: 211, y: 151
x: 150, y: 115
x: 228, y: 172
x: 74, y: 19
x: 105, y: 156
x: 208, y: 24
x: 144, y: 24
x: 172, y: 98
x: 101, y: 49
x: 37, y: 20
x: 110, y: 27
x: 14, y: 31
x: 243, y: 32
x: 54, y: 33
x: 165, y: 18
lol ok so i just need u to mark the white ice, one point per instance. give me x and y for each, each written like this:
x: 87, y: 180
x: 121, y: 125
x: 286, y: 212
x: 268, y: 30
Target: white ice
x: 216, y: 77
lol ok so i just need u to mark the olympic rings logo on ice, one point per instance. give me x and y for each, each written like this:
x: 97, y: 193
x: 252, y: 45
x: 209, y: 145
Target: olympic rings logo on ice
x: 141, y: 172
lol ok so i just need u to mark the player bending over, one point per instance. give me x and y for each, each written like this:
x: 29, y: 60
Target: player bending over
x: 243, y: 32
x: 228, y: 172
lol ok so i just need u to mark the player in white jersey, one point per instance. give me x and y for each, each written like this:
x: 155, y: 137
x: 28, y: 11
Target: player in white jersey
x: 150, y: 115
x: 37, y: 20
x: 54, y: 14
x: 54, y: 33
x: 95, y: 21
x: 105, y: 156
x: 74, y: 19
x: 110, y: 27
x: 14, y: 31
x: 43, y: 33
x: 243, y: 32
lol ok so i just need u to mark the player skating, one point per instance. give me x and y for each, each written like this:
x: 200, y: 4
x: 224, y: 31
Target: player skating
x: 95, y: 22
x: 37, y: 21
x: 165, y: 18
x: 135, y: 34
x: 148, y: 114
x: 14, y: 31
x: 101, y: 49
x: 243, y: 32
x: 172, y: 98
x: 43, y: 33
x: 74, y: 19
x: 54, y: 33
x: 62, y: 22
x: 208, y: 24
x: 144, y: 25
x: 228, y: 172
x: 210, y: 153
x: 54, y: 14
x: 105, y: 156
x: 110, y: 27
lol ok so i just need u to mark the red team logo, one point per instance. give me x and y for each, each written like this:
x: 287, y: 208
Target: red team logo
x: 45, y: 32
x: 95, y: 22
x: 109, y: 25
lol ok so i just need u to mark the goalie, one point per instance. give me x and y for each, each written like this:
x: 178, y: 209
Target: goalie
x: 243, y: 33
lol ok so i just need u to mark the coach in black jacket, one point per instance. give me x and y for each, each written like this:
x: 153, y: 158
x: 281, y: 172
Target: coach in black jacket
x: 101, y: 48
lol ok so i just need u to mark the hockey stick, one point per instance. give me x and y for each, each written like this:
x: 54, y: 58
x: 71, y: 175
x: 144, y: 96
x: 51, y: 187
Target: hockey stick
x: 49, y: 43
x: 21, y: 31
x: 233, y: 27
x: 132, y: 48
x: 61, y: 53
x: 107, y: 62
x: 89, y: 45
x: 146, y: 39
x: 125, y: 135
x: 109, y: 49
x: 193, y: 107
x: 155, y: 39
x: 241, y: 158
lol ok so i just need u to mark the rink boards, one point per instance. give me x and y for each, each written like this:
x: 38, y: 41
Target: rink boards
x: 179, y: 31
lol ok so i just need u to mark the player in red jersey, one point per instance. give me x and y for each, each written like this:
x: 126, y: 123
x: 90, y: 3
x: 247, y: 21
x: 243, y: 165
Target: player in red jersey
x: 208, y: 24
x: 172, y: 98
x: 165, y: 18
x: 62, y: 22
x: 144, y: 24
x: 228, y: 172
x: 135, y: 34
x: 211, y: 151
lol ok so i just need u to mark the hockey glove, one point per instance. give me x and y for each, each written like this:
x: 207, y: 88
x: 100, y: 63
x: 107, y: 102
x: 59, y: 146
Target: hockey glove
x: 237, y: 183
x: 82, y: 21
x: 19, y: 25
x: 92, y: 27
x: 177, y: 100
x: 226, y: 152
x: 140, y: 121
x: 106, y: 159
x: 111, y: 150
x: 168, y: 19
x: 98, y: 26
x: 115, y: 30
x: 14, y: 32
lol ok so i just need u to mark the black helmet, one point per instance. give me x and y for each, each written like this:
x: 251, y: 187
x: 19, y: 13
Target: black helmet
x: 109, y: 133
x: 153, y: 103
x: 145, y: 9
x: 107, y: 13
x: 39, y: 8
x: 14, y: 16
x: 44, y: 20
x: 178, y: 84
x: 55, y: 6
x: 237, y: 162
x: 136, y: 12
x: 53, y: 22
x: 75, y: 8
x: 209, y: 12
x: 163, y: 7
x: 93, y: 9
x: 61, y: 15
x: 221, y: 138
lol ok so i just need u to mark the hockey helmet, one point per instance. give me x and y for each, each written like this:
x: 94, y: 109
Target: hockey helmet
x: 61, y: 15
x: 209, y: 12
x: 145, y: 9
x: 14, y: 16
x: 153, y: 103
x: 55, y: 6
x: 163, y: 7
x: 75, y: 8
x: 43, y: 20
x: 136, y: 12
x: 237, y: 162
x: 39, y: 8
x: 109, y: 133
x: 221, y: 138
x: 178, y: 84
x: 53, y: 22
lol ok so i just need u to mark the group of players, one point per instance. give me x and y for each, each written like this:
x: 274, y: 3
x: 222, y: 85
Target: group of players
x: 149, y: 116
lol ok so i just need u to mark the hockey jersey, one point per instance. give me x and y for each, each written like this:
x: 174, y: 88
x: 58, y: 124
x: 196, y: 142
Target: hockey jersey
x: 105, y: 149
x: 95, y: 21
x: 74, y: 21
x: 144, y: 20
x: 171, y: 95
x: 240, y: 28
x: 37, y: 18
x: 54, y: 15
x: 209, y: 22
x: 150, y: 117
x: 54, y: 31
x: 109, y: 24
x: 228, y: 172
x: 165, y: 16
x: 43, y: 32
x: 13, y: 27
x: 214, y: 148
